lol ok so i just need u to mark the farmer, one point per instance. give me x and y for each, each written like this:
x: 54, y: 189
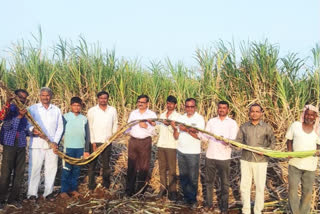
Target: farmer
x: 49, y: 118
x: 189, y: 149
x: 258, y: 134
x: 13, y: 138
x: 303, y: 135
x: 218, y: 155
x: 167, y: 146
x: 139, y: 147
x: 103, y: 123
x: 76, y: 144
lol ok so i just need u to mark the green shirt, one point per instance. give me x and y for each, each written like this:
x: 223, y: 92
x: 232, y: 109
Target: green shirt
x: 76, y: 133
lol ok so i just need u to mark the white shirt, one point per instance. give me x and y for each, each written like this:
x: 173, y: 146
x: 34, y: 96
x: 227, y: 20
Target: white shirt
x: 226, y: 128
x: 186, y: 143
x: 166, y: 139
x: 303, y: 141
x: 102, y: 124
x: 136, y: 131
x: 51, y: 123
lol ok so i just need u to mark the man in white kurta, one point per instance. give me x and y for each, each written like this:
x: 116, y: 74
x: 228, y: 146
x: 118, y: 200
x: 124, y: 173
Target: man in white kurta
x: 303, y: 135
x: 49, y: 118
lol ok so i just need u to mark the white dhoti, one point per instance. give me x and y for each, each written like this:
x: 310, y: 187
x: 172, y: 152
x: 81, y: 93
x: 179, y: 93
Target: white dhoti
x: 36, y: 158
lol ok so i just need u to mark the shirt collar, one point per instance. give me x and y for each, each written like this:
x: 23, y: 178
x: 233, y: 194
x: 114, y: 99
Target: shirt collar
x: 260, y: 123
x: 41, y: 106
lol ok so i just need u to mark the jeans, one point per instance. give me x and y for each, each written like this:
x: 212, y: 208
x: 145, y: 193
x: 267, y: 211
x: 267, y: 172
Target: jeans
x: 306, y: 178
x: 106, y: 169
x: 189, y: 174
x: 70, y: 173
x: 13, y: 160
x: 220, y: 168
x: 167, y: 163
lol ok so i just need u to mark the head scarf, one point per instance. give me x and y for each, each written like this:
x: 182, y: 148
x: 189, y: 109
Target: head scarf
x: 316, y: 124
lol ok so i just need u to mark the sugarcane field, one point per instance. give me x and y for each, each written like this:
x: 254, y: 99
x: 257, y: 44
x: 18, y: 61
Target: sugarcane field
x: 254, y: 77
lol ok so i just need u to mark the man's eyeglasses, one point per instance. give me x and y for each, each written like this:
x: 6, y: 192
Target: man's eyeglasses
x: 142, y: 102
x: 190, y: 106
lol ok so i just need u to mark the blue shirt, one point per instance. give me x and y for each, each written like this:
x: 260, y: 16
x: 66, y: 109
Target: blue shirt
x: 76, y: 131
x: 14, y: 127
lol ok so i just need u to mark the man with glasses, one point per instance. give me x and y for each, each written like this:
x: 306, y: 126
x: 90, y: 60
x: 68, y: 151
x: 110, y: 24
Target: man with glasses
x: 189, y: 149
x: 139, y: 146
x: 13, y: 138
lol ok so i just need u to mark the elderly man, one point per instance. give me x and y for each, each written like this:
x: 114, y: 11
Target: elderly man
x: 189, y: 149
x: 49, y: 118
x: 13, y: 138
x: 103, y: 123
x: 139, y: 148
x: 218, y: 155
x: 167, y: 150
x: 254, y: 166
x: 303, y: 135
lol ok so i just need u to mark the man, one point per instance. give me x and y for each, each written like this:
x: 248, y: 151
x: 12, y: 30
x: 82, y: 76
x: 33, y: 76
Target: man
x: 13, y: 138
x: 303, y: 135
x: 167, y: 146
x: 189, y: 149
x: 49, y: 118
x: 139, y: 148
x: 218, y: 155
x: 103, y: 123
x: 258, y: 134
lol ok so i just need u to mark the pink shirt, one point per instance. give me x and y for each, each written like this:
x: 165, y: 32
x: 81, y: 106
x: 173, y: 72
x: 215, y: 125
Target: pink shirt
x: 226, y: 128
x: 136, y: 131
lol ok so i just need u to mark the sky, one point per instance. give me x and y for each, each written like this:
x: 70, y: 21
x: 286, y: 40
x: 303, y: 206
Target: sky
x: 150, y: 30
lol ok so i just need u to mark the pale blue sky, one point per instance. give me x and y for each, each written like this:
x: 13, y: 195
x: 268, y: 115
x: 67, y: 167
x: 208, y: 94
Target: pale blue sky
x: 154, y: 30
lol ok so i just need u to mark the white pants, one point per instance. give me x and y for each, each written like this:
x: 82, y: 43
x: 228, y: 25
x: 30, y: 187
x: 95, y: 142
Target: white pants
x: 36, y: 159
x: 257, y: 170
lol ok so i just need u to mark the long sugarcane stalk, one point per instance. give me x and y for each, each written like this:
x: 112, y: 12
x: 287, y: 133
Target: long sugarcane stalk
x: 92, y: 156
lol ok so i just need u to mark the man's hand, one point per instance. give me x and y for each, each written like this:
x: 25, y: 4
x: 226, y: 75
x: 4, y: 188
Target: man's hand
x: 94, y: 147
x: 36, y: 132
x: 86, y: 154
x: 151, y: 122
x: 143, y: 125
x: 22, y: 112
x: 193, y: 130
x: 54, y: 147
x: 166, y: 122
x: 183, y: 128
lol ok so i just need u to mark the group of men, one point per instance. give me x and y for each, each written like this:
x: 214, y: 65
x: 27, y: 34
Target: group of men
x: 178, y: 141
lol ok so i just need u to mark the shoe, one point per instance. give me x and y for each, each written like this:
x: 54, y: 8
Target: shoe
x: 172, y: 196
x: 75, y: 194
x: 2, y: 205
x: 51, y: 197
x: 64, y: 195
x: 33, y: 198
x: 162, y: 193
x: 15, y: 204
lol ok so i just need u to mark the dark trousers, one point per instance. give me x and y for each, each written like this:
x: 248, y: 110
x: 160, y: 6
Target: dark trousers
x: 13, y: 160
x: 70, y: 173
x: 139, y: 156
x: 104, y: 158
x: 220, y: 169
x: 167, y: 163
x: 189, y: 174
x: 306, y: 178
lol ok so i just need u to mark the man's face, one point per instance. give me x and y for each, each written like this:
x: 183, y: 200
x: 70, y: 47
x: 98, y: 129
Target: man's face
x: 255, y: 113
x: 171, y: 106
x: 45, y: 97
x: 223, y: 110
x: 76, y: 108
x: 142, y: 104
x: 103, y: 100
x: 310, y: 117
x: 22, y: 97
x: 190, y: 107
